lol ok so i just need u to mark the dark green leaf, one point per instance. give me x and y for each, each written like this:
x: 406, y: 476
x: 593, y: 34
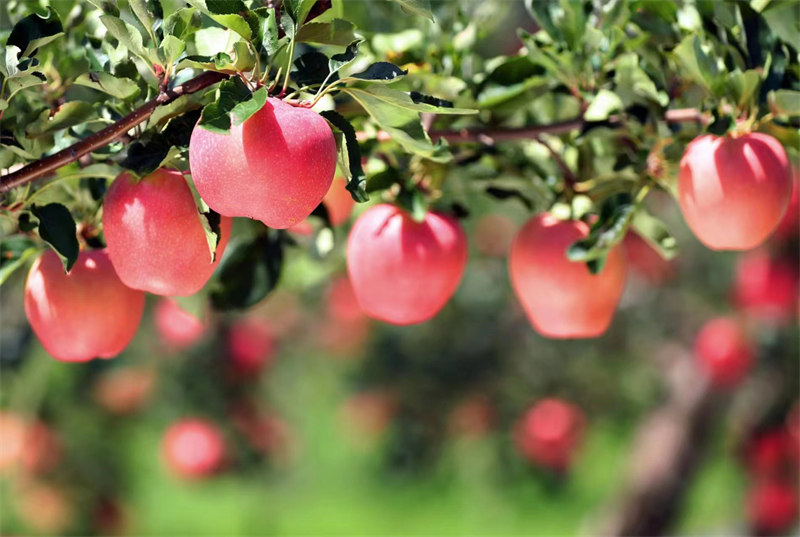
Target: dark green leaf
x: 148, y: 152
x: 608, y: 231
x: 382, y: 71
x: 57, y: 228
x: 67, y: 115
x: 311, y: 69
x: 34, y: 31
x: 336, y: 32
x: 248, y: 271
x: 412, y: 200
x: 268, y: 30
x: 505, y: 193
x: 356, y: 180
x: 121, y: 88
x: 217, y: 115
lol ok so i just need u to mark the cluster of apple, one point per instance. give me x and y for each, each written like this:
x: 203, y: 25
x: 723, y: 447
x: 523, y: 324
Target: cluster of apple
x: 278, y: 165
x: 772, y: 460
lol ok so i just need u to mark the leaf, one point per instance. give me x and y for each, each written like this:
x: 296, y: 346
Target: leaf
x: 655, y: 233
x: 356, y: 181
x: 395, y: 98
x: 268, y: 31
x: 172, y: 48
x: 67, y: 115
x: 210, y: 220
x: 336, y: 32
x: 106, y: 6
x: 248, y: 271
x: 14, y: 251
x: 243, y: 110
x: 338, y: 61
x: 216, y: 115
x: 183, y: 22
x: 311, y: 69
x: 608, y: 231
x: 506, y: 193
x: 381, y: 72
x: 417, y: 7
x: 121, y: 88
x: 154, y: 148
x: 57, y: 228
x: 35, y: 31
x: 699, y: 66
x: 784, y: 102
x: 228, y: 13
x: 145, y: 15
x: 602, y: 106
x: 128, y: 36
x: 412, y: 200
x: 783, y: 18
x: 20, y: 82
x: 743, y: 85
x: 299, y: 9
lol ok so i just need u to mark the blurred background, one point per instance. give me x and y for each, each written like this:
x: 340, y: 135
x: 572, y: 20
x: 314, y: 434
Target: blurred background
x: 302, y: 416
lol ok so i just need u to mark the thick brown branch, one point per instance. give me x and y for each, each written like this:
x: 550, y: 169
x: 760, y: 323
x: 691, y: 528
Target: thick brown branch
x: 104, y: 137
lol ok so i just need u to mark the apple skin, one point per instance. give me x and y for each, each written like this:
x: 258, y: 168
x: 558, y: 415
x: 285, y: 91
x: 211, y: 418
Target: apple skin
x: 177, y: 328
x: 645, y: 262
x: 772, y: 507
x: 88, y: 313
x: 733, y: 192
x: 339, y: 204
x: 562, y: 298
x: 724, y: 352
x: 403, y: 272
x: 155, y: 236
x: 549, y: 433
x: 194, y: 448
x: 766, y: 288
x: 275, y: 167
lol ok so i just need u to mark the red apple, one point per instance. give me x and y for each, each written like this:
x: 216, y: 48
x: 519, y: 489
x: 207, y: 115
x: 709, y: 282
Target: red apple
x: 562, y: 298
x: 724, y: 352
x: 733, y: 191
x: 494, y: 234
x: 645, y: 261
x: 12, y: 439
x: 767, y: 288
x: 790, y: 225
x: 339, y: 204
x: 275, y: 167
x: 772, y: 507
x: 194, y: 448
x: 41, y: 452
x: 265, y: 431
x: 155, y: 234
x: 251, y: 345
x: 44, y: 508
x: 549, y: 433
x: 85, y: 314
x: 176, y: 327
x: 772, y: 453
x: 125, y: 390
x: 403, y: 272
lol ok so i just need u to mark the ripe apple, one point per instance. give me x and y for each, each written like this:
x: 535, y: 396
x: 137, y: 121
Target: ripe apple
x: 733, y: 191
x: 339, y: 204
x: 403, y: 272
x: 562, y: 298
x: 766, y: 288
x: 772, y: 507
x: 125, y: 390
x: 176, y: 327
x: 790, y: 225
x: 85, y: 314
x: 494, y: 234
x: 251, y: 345
x: 41, y: 452
x: 155, y: 234
x: 549, y: 433
x: 12, y: 439
x: 194, y: 448
x: 645, y: 262
x: 275, y: 167
x: 724, y: 352
x: 44, y: 508
x: 772, y: 453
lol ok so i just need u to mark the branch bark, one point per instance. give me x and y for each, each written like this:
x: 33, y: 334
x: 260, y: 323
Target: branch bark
x: 47, y: 165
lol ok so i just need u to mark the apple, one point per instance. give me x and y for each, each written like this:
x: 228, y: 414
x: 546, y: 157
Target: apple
x: 266, y: 432
x: 723, y: 352
x: 85, y: 314
x: 155, y: 234
x: 194, y: 448
x: 549, y: 433
x: 772, y: 453
x: 734, y: 191
x: 12, y: 439
x: 176, y: 327
x: 645, y: 261
x: 472, y: 417
x: 45, y: 508
x: 494, y: 234
x: 125, y: 390
x: 339, y: 204
x: 562, y: 298
x: 41, y: 451
x: 342, y: 303
x: 403, y: 272
x: 789, y: 227
x: 275, y: 167
x: 251, y: 345
x: 367, y: 415
x: 772, y: 507
x: 766, y: 288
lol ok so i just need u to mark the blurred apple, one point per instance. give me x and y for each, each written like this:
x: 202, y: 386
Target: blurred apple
x: 472, y: 417
x: 176, y: 327
x: 251, y: 345
x: 41, y: 452
x: 12, y: 439
x: 645, y: 262
x: 266, y: 432
x: 771, y: 453
x: 550, y: 433
x: 494, y: 234
x: 767, y: 288
x: 194, y: 448
x: 723, y: 352
x: 772, y: 507
x: 125, y: 390
x: 44, y: 508
x: 367, y: 415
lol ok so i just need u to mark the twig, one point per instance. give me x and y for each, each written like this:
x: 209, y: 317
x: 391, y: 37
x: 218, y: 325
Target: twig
x: 104, y: 137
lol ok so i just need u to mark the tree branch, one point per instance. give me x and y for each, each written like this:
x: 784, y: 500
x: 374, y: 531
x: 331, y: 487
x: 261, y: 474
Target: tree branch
x: 47, y: 165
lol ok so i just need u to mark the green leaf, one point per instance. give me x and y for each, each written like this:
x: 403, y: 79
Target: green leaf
x: 615, y: 216
x: 312, y: 69
x: 338, y: 61
x: 121, y: 88
x: 243, y: 110
x: 298, y: 9
x: 784, y: 102
x: 248, y: 271
x: 417, y: 7
x: 228, y: 14
x: 336, y: 32
x: 67, y: 115
x: 743, y: 85
x: 145, y: 16
x: 20, y: 82
x: 106, y: 6
x: 699, y: 65
x: 183, y: 22
x: 172, y: 48
x: 603, y: 105
x: 783, y: 18
x: 14, y: 252
x: 57, y: 228
x: 356, y: 179
x: 35, y: 31
x: 217, y: 115
x: 154, y: 148
x: 653, y: 230
x: 268, y: 31
x: 412, y: 200
x: 381, y: 72
x: 400, y: 99
x: 128, y: 36
x: 211, y: 220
